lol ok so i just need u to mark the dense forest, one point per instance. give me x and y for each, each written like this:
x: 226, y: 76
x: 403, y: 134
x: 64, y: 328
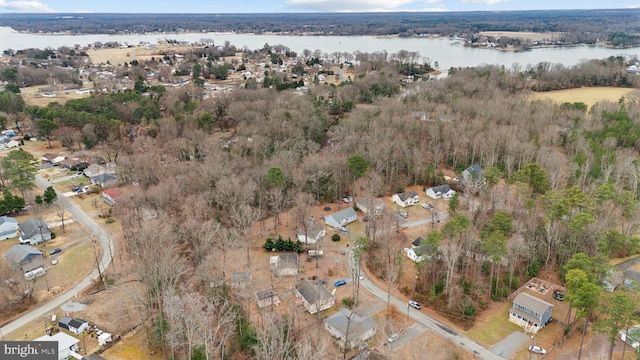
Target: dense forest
x: 561, y: 181
x: 579, y: 26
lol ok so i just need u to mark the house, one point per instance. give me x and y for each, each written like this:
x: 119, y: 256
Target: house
x: 67, y: 164
x: 34, y: 231
x: 48, y: 157
x: 8, y: 228
x: 111, y: 195
x: 284, y: 264
x: 370, y: 206
x: 76, y: 325
x: 350, y: 329
x: 530, y: 312
x: 631, y: 336
x: 440, y: 192
x: 24, y: 258
x: 266, y: 298
x: 416, y: 254
x: 96, y: 169
x: 314, y: 295
x: 67, y: 345
x: 104, y: 180
x: 241, y: 280
x: 408, y: 198
x: 473, y: 173
x: 316, y: 233
x: 341, y: 218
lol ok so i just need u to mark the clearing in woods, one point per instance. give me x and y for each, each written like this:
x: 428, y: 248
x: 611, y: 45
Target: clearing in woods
x: 587, y: 95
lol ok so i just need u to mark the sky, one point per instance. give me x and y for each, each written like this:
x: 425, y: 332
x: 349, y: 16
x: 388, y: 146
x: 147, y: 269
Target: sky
x: 288, y: 6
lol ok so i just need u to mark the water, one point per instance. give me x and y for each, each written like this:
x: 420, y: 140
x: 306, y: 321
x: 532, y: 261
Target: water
x: 446, y: 52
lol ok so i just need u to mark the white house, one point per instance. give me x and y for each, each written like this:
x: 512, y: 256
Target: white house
x: 67, y: 345
x: 341, y: 218
x: 349, y: 329
x: 440, y: 192
x: 416, y: 254
x: 314, y: 234
x: 405, y: 199
x: 76, y: 326
x: 370, y: 206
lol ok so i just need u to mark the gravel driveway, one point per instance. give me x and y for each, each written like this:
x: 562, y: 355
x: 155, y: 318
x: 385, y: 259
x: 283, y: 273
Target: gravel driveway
x: 512, y: 343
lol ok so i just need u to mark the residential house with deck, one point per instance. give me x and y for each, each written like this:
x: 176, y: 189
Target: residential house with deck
x: 440, y: 192
x: 530, y: 312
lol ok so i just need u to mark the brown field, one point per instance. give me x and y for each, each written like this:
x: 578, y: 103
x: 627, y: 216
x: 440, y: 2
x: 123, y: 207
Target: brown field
x: 140, y: 53
x: 32, y: 97
x: 587, y: 95
x: 533, y: 36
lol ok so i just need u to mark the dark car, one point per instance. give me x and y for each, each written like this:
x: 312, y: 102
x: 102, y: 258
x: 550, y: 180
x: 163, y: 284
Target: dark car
x: 55, y: 251
x: 558, y: 295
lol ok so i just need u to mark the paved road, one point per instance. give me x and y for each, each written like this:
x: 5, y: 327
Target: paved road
x: 433, y: 324
x: 105, y: 242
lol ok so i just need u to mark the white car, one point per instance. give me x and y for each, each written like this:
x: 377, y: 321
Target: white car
x: 414, y: 305
x: 392, y: 338
x: 537, y: 350
x: 404, y: 214
x: 427, y: 206
x: 342, y: 228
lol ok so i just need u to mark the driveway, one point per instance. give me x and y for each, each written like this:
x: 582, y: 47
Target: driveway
x: 107, y: 245
x: 511, y: 344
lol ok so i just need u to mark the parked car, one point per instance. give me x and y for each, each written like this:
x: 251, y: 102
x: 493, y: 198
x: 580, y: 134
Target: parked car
x: 392, y: 338
x: 427, y: 206
x: 55, y: 251
x: 342, y: 228
x: 537, y: 350
x: 404, y: 214
x: 558, y: 295
x: 414, y: 304
x: 347, y: 199
x: 340, y: 283
x: 74, y: 176
x: 363, y: 346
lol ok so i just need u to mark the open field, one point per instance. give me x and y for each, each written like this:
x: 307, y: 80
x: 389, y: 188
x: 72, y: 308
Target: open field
x: 587, y: 95
x: 32, y: 97
x: 140, y: 53
x: 533, y: 36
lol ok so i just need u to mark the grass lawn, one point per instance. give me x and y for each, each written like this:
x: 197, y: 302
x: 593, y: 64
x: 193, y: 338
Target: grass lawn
x: 132, y: 346
x: 587, y: 95
x: 493, y: 326
x: 73, y: 264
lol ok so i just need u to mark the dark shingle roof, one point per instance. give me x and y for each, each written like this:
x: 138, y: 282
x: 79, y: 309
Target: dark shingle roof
x: 531, y: 302
x: 17, y: 253
x: 407, y: 195
x: 31, y: 227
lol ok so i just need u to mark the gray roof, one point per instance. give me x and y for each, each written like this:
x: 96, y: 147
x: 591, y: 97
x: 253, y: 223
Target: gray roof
x: 17, y: 253
x: 32, y: 227
x: 407, y: 195
x: 313, y: 231
x: 474, y: 171
x: 343, y: 214
x: 358, y: 325
x: 8, y: 225
x: 288, y: 260
x: 441, y: 188
x: 531, y: 302
x: 103, y: 178
x: 313, y: 290
x: 265, y: 294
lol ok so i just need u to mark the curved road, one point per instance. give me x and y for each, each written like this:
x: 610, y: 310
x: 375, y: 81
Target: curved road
x: 105, y: 242
x: 439, y: 328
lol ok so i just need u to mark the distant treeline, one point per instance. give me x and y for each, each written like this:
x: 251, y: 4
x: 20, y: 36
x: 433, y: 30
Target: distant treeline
x: 579, y: 26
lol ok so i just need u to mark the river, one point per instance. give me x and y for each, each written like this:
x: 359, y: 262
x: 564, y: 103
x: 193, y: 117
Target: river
x: 445, y: 51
